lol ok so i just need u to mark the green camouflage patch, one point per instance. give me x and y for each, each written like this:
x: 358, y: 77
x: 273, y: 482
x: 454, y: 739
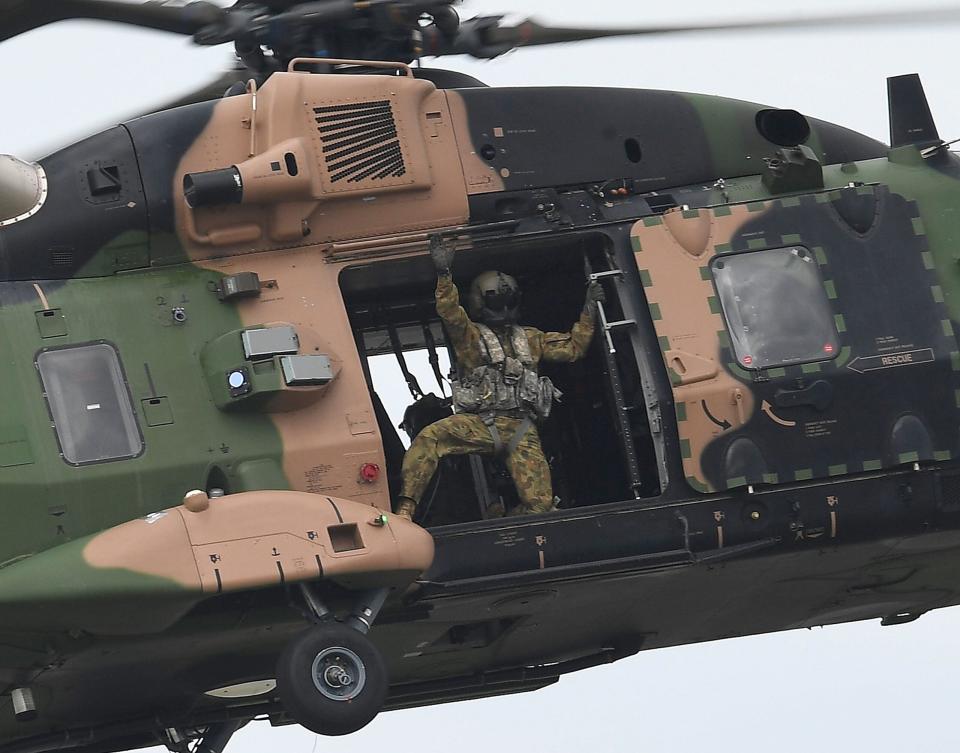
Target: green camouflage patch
x: 872, y: 465
x: 803, y: 474
x: 908, y: 457
x: 723, y: 211
x: 837, y: 470
x: 840, y: 323
x: 681, y: 411
x: 918, y: 227
x: 652, y: 221
x: 843, y: 358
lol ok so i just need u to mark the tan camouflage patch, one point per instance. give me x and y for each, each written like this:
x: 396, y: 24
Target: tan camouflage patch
x: 710, y: 399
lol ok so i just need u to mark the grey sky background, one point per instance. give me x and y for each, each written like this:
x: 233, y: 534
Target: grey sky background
x: 848, y: 687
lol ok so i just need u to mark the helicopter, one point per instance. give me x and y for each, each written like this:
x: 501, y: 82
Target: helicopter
x: 707, y: 490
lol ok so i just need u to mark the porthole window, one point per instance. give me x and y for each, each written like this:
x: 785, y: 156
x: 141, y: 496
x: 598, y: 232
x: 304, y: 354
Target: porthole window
x: 776, y: 308
x: 90, y: 404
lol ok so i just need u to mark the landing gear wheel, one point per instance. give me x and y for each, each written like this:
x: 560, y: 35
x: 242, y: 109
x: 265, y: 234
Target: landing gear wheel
x: 332, y: 679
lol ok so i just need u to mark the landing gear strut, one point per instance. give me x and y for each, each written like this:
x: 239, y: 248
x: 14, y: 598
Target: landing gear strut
x: 331, y: 678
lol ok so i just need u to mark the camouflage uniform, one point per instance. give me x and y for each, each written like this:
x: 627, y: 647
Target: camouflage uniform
x: 466, y: 433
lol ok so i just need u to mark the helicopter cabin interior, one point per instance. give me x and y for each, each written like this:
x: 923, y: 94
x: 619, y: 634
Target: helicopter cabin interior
x: 602, y: 412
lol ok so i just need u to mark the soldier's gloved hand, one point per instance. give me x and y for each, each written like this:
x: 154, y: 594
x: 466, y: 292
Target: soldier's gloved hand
x: 595, y: 293
x: 442, y: 253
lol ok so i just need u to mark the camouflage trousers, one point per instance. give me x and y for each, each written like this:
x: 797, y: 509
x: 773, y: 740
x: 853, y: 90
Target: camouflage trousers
x: 466, y: 434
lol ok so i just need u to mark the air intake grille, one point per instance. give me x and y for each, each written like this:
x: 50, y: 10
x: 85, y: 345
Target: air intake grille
x: 360, y: 142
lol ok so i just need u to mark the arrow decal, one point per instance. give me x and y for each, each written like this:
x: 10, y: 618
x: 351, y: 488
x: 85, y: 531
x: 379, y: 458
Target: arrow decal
x: 722, y: 424
x: 768, y: 409
x: 863, y: 364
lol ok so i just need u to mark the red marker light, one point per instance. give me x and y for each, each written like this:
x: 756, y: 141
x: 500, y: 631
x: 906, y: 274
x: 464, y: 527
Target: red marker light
x: 748, y: 360
x: 828, y: 348
x: 369, y: 472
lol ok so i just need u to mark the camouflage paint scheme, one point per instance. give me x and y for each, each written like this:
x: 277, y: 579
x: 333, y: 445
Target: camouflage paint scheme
x: 115, y: 249
x: 731, y: 429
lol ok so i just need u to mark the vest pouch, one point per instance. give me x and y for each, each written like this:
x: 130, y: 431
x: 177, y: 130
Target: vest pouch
x: 512, y: 370
x: 537, y: 394
x: 466, y: 397
x: 506, y: 396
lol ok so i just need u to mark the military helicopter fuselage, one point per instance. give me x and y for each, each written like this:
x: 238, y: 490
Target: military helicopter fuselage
x: 195, y: 462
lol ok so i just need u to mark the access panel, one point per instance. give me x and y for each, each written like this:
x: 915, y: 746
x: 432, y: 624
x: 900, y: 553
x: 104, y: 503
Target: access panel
x: 805, y: 337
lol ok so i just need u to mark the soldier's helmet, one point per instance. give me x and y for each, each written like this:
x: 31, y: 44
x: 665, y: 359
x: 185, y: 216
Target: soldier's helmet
x: 494, y: 299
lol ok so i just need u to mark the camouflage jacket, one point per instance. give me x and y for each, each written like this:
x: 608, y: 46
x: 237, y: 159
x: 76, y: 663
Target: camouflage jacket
x: 562, y: 347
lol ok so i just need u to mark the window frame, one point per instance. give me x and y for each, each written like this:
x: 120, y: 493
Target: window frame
x: 124, y: 393
x: 827, y: 306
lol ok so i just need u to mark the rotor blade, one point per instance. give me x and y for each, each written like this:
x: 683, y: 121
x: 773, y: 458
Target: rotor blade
x: 494, y: 39
x: 19, y: 16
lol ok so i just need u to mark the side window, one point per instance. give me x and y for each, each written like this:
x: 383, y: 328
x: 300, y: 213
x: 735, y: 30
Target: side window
x: 776, y: 307
x: 90, y: 404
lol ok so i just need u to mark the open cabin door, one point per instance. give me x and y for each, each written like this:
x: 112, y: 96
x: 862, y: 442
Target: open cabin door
x: 805, y: 337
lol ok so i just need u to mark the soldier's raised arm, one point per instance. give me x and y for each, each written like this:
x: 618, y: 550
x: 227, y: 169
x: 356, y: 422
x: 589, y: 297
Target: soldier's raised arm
x: 566, y: 347
x: 463, y: 333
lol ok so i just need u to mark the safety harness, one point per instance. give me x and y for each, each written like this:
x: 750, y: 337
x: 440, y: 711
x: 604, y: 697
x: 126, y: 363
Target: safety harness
x: 505, y: 385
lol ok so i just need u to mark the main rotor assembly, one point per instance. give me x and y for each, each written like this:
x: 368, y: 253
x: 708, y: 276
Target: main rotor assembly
x: 268, y: 34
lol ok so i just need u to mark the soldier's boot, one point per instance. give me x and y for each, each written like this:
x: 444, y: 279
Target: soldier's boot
x: 406, y: 508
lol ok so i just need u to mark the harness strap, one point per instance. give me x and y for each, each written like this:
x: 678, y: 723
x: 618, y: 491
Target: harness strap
x: 410, y: 379
x: 488, y: 421
x: 433, y: 357
x: 518, y: 436
x: 493, y: 350
x: 521, y: 346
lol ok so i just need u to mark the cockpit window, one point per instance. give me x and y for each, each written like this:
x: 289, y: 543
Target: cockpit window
x: 90, y: 404
x: 776, y: 307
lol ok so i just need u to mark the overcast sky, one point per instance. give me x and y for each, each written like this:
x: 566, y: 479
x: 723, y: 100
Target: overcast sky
x: 855, y: 687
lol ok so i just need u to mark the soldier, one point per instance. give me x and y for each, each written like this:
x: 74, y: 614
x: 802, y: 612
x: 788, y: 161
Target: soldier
x: 500, y: 397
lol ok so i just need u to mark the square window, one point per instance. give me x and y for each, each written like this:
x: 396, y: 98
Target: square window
x: 776, y: 307
x: 89, y: 403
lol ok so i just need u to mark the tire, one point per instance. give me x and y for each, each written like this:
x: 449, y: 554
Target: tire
x: 332, y: 679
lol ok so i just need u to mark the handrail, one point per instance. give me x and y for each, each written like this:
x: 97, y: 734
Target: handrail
x: 408, y: 71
